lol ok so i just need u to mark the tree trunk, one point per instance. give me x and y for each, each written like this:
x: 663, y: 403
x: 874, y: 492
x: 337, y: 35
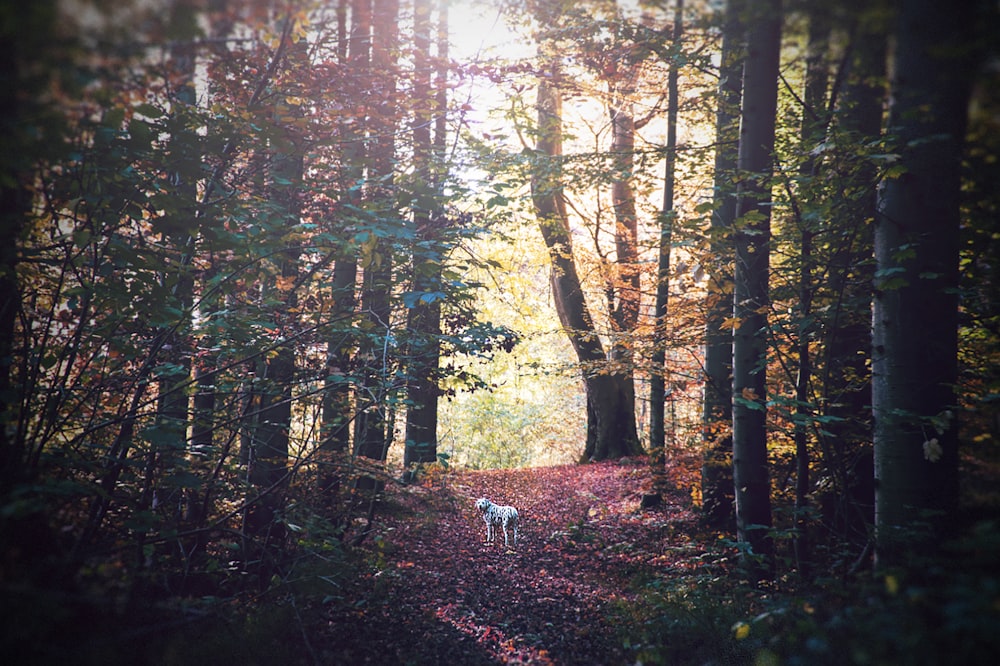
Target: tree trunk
x: 611, y: 431
x: 623, y: 286
x: 717, y: 490
x: 268, y: 472
x: 814, y: 122
x: 424, y: 318
x: 180, y: 235
x: 658, y: 373
x: 752, y: 238
x: 845, y: 391
x: 268, y: 464
x: 373, y: 431
x: 341, y: 341
x: 915, y: 322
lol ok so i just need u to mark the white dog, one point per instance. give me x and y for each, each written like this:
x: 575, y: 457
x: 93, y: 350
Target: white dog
x: 493, y: 515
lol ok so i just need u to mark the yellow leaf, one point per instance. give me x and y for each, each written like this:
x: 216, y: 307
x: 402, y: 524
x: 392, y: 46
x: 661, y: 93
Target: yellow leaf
x: 741, y: 630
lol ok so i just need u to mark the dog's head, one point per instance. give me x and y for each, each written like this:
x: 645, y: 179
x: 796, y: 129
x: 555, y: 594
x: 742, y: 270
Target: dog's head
x: 482, y: 504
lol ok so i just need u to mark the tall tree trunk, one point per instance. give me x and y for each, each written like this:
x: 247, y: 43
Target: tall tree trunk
x: 752, y: 238
x: 179, y: 411
x: 717, y: 412
x: 268, y: 463
x: 373, y: 432
x: 180, y: 235
x: 268, y: 471
x: 424, y: 318
x: 623, y: 285
x: 611, y: 431
x: 337, y: 415
x: 915, y: 322
x: 658, y: 373
x: 814, y: 122
x: 849, y: 508
x: 15, y: 203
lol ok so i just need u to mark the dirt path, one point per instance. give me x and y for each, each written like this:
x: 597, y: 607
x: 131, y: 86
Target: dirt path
x: 451, y: 599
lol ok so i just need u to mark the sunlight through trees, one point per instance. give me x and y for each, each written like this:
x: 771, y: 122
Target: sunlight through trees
x: 264, y: 264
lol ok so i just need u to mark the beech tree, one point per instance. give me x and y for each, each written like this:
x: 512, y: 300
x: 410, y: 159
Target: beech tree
x: 751, y: 279
x: 611, y: 428
x: 431, y: 246
x: 355, y: 56
x: 843, y: 361
x: 812, y: 131
x: 657, y: 382
x: 915, y: 322
x: 374, y: 409
x: 717, y: 409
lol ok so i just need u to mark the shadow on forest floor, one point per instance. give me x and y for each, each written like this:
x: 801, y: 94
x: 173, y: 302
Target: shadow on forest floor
x: 594, y: 579
x: 583, y: 540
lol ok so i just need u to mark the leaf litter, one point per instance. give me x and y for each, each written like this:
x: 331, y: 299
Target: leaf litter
x: 439, y: 594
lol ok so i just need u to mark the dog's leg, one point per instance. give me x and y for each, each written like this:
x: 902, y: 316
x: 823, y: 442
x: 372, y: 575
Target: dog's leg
x: 504, y: 526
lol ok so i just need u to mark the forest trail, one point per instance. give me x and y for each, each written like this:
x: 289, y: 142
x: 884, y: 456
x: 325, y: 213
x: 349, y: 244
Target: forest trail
x: 449, y: 598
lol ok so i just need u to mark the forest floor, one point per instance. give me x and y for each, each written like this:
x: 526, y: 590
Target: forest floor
x: 443, y: 596
x: 595, y: 578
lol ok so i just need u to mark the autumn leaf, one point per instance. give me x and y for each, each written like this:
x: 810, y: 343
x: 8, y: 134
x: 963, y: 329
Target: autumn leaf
x: 518, y: 606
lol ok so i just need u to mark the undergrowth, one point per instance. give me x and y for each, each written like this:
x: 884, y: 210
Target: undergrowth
x: 935, y: 612
x: 423, y: 588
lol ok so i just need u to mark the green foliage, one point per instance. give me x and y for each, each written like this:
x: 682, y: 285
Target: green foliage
x: 176, y: 253
x: 499, y: 429
x: 685, y: 617
x: 173, y: 254
x: 945, y: 612
x: 937, y: 612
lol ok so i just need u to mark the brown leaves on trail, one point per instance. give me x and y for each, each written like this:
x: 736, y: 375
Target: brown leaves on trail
x: 446, y: 596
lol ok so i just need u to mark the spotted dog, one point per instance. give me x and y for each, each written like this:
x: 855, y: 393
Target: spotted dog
x: 493, y: 515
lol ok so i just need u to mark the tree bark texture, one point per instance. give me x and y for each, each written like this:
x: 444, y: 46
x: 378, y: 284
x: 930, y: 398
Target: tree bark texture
x: 849, y: 509
x: 611, y: 429
x: 717, y: 412
x: 373, y: 431
x: 752, y: 238
x: 424, y: 318
x: 337, y: 415
x: 915, y: 321
x: 658, y: 375
x: 268, y: 473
